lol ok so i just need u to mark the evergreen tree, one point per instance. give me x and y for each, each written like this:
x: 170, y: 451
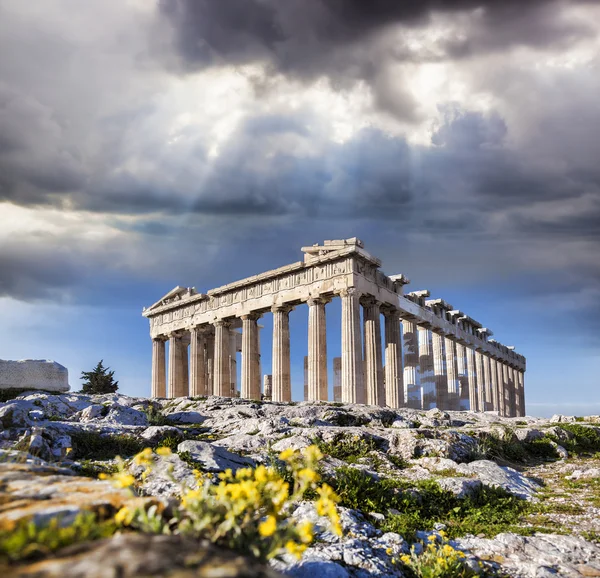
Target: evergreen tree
x: 99, y: 380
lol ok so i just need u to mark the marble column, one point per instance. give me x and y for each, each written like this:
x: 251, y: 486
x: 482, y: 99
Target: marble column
x: 353, y: 385
x: 233, y: 335
x: 480, y: 380
x: 282, y: 381
x: 250, y: 366
x: 439, y: 371
x: 394, y: 378
x: 501, y: 388
x: 375, y: 393
x: 177, y: 368
x: 489, y: 399
x: 210, y: 360
x: 452, y: 374
x: 463, y: 375
x: 472, y: 378
x: 159, y: 384
x: 197, y: 362
x: 516, y: 405
x: 506, y: 388
x: 317, y: 350
x: 221, y: 367
x: 494, y: 381
x: 410, y: 346
x: 521, y: 380
x: 337, y: 379
x: 426, y: 366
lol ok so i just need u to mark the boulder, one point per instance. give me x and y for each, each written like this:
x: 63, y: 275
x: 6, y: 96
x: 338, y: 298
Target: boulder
x: 185, y: 417
x: 491, y: 474
x: 214, y: 458
x: 34, y: 374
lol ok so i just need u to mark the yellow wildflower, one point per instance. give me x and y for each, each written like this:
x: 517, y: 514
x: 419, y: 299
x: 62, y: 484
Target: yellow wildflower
x: 268, y: 527
x: 190, y: 497
x: 405, y: 559
x: 313, y: 453
x: 124, y: 516
x: 431, y: 538
x: 307, y: 475
x: 144, y: 457
x: 163, y: 451
x: 294, y: 548
x: 447, y: 549
x: 305, y: 532
x: 123, y: 480
x: 285, y: 455
x: 260, y: 474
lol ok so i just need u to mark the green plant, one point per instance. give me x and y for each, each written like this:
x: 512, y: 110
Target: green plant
x: 94, y: 446
x: 92, y: 469
x: 399, y: 462
x: 29, y: 540
x: 155, y: 416
x: 99, y: 380
x: 420, y: 505
x: 586, y: 439
x: 438, y: 559
x: 347, y: 448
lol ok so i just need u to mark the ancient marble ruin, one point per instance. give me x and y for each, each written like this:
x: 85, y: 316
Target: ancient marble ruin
x: 432, y: 355
x: 43, y: 374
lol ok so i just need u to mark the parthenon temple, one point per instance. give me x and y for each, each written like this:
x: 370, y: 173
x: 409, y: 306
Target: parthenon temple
x: 428, y: 354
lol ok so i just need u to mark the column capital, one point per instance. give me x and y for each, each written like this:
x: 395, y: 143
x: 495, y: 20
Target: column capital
x: 251, y: 316
x: 320, y: 300
x: 221, y: 323
x: 349, y: 292
x: 160, y: 338
x: 174, y: 335
x: 369, y: 301
x: 282, y: 308
x: 389, y: 311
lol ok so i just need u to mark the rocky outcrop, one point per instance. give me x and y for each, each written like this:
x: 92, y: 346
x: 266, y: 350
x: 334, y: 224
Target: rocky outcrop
x: 46, y: 439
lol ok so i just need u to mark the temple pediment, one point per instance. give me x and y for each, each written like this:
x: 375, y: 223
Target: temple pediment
x: 174, y: 295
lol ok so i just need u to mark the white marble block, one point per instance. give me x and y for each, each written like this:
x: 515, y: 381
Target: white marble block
x: 34, y: 374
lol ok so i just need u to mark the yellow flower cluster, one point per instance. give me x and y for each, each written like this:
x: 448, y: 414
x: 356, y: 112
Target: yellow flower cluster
x: 437, y: 559
x: 248, y: 510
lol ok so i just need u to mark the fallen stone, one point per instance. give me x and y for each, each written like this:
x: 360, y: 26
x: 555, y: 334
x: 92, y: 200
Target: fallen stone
x: 460, y: 487
x: 157, y: 433
x: 214, y: 458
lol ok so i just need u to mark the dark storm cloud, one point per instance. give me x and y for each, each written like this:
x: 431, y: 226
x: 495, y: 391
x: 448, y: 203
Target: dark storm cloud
x: 333, y: 37
x: 35, y: 162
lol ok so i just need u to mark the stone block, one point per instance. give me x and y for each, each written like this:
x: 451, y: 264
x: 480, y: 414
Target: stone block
x: 41, y: 374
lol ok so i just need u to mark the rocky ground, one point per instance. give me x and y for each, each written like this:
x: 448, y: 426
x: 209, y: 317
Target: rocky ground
x: 519, y: 496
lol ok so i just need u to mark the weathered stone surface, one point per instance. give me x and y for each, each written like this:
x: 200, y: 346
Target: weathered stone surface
x: 33, y: 374
x: 214, y: 458
x: 185, y: 417
x: 460, y: 487
x: 135, y: 555
x: 491, y: 474
x: 41, y: 492
x: 157, y: 433
x: 535, y: 556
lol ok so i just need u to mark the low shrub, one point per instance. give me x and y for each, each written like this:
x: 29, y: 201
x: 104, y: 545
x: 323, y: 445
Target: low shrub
x: 586, y: 440
x: 347, y: 448
x: 94, y: 446
x: 420, y: 505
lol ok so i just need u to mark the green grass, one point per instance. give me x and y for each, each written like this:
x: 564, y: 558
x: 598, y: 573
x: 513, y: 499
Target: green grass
x: 90, y: 445
x: 28, y: 541
x: 92, y: 469
x: 422, y: 504
x: 585, y: 442
x: 155, y: 416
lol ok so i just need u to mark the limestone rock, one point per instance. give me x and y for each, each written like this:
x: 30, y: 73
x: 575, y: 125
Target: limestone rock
x: 156, y: 433
x: 133, y: 555
x: 185, y: 417
x: 491, y: 474
x: 214, y: 458
x: 460, y: 487
x: 33, y: 374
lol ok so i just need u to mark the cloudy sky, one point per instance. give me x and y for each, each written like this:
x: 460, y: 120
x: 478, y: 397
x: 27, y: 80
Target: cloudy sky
x: 149, y: 144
